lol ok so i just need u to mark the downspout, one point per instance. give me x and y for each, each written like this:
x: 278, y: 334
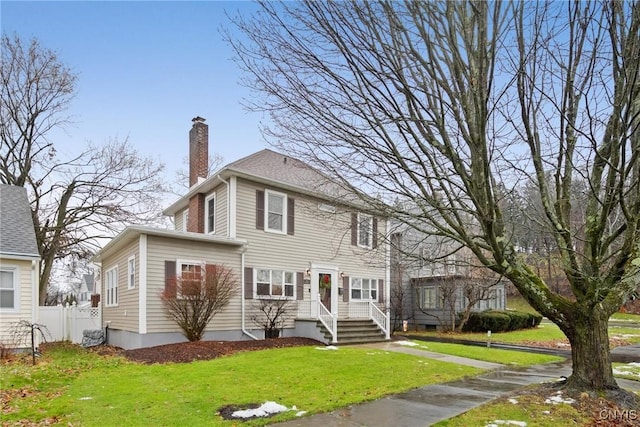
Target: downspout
x: 229, y: 224
x: 387, y: 274
x: 244, y: 331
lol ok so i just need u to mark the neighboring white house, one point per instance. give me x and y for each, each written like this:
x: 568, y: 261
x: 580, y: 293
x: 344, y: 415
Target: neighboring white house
x: 285, y: 231
x: 87, y: 289
x: 19, y: 264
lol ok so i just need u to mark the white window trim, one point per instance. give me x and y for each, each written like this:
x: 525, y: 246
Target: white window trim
x: 436, y: 300
x: 107, y: 287
x: 284, y: 212
x: 206, y: 213
x: 185, y: 219
x: 131, y: 284
x: 275, y: 297
x: 369, y: 218
x: 181, y: 262
x: 376, y: 288
x: 16, y: 288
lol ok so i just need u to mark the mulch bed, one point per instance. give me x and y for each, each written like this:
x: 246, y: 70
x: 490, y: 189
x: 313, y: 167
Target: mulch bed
x: 206, y: 350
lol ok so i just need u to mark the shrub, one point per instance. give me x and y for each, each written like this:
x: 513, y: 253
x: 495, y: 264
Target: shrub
x: 501, y: 321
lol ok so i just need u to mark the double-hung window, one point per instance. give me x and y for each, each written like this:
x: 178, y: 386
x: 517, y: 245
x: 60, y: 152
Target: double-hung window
x: 364, y: 289
x: 430, y: 297
x: 276, y: 212
x: 210, y: 213
x: 131, y: 272
x: 190, y: 279
x: 111, y: 287
x: 8, y: 288
x: 275, y: 283
x: 185, y: 219
x: 365, y: 230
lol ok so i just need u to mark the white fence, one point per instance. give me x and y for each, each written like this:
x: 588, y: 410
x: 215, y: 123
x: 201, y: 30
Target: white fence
x: 66, y: 323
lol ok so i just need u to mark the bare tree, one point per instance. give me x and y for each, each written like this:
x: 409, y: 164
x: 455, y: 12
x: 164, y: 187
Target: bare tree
x: 181, y: 179
x: 195, y: 297
x: 271, y: 315
x: 75, y: 199
x: 450, y: 105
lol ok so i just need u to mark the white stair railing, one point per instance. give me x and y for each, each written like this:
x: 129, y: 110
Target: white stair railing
x: 378, y: 316
x: 329, y: 321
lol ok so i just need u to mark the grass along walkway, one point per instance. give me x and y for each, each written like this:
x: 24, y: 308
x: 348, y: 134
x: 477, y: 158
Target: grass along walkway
x: 545, y: 333
x: 495, y: 355
x: 72, y: 386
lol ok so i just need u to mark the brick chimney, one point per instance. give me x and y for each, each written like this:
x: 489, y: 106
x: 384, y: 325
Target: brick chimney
x: 198, y: 150
x: 198, y: 170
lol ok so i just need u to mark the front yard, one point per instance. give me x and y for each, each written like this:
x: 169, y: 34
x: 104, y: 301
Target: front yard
x: 73, y: 386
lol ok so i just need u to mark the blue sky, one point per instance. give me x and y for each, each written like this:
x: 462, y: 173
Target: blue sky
x: 145, y: 70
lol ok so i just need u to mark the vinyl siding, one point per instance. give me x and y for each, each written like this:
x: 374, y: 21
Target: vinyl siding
x: 161, y: 249
x: 178, y: 220
x: 319, y: 237
x: 8, y: 319
x: 125, y: 315
x: 221, y: 210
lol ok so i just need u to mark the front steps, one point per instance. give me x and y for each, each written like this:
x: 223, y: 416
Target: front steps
x: 354, y: 331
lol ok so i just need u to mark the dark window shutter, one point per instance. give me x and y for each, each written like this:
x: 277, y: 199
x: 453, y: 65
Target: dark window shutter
x: 354, y: 229
x: 381, y: 290
x: 260, y: 209
x: 211, y: 272
x: 170, y: 279
x: 374, y: 233
x: 299, y: 286
x: 248, y: 283
x: 345, y: 289
x: 291, y: 203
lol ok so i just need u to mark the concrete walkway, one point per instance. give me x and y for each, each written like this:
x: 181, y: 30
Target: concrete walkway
x: 427, y: 405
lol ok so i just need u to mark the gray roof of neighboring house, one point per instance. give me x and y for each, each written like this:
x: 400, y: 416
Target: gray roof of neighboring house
x: 275, y: 169
x: 17, y: 235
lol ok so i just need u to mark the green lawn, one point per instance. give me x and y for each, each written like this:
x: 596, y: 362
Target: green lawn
x: 546, y: 332
x: 506, y: 357
x: 75, y: 387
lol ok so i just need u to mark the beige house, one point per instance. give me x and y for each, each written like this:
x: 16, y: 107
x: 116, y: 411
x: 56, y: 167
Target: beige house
x: 19, y: 266
x: 278, y: 224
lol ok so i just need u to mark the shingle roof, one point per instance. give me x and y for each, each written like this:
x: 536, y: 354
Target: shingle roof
x: 275, y: 169
x: 268, y: 164
x: 17, y: 236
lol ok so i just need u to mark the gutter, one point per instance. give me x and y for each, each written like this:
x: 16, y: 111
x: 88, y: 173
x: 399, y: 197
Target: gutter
x: 242, y: 310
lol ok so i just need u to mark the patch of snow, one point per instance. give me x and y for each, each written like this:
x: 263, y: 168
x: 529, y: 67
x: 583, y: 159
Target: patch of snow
x: 514, y: 401
x: 300, y: 413
x: 627, y: 369
x: 265, y: 410
x: 86, y: 398
x: 329, y: 347
x: 546, y: 412
x: 557, y: 398
x: 496, y: 423
x: 407, y: 343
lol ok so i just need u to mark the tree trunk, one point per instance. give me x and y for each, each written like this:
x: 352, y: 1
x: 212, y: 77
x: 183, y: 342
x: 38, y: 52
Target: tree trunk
x: 589, y: 337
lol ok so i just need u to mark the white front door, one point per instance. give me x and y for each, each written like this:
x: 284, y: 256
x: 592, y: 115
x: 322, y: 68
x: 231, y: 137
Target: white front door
x: 324, y: 287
